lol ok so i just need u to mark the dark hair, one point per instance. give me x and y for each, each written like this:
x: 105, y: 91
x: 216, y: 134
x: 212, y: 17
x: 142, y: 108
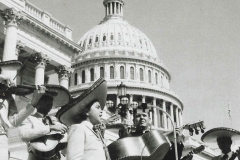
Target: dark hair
x: 82, y: 115
x: 47, y: 101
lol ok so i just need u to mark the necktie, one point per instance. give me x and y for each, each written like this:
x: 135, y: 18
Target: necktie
x: 99, y: 135
x: 225, y: 157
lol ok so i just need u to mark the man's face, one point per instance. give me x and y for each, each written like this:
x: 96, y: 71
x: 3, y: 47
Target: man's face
x: 142, y: 120
x: 44, y: 104
x: 224, y: 144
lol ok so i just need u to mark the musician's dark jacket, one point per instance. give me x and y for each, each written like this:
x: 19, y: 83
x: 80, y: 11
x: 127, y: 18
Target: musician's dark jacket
x: 170, y: 155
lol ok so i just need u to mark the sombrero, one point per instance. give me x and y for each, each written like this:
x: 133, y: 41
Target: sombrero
x: 212, y: 135
x: 11, y: 65
x: 98, y: 92
x: 60, y: 94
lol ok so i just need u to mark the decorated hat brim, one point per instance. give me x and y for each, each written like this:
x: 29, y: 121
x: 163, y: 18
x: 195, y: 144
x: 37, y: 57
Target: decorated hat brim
x: 97, y: 92
x: 11, y: 65
x: 60, y: 94
x: 212, y: 135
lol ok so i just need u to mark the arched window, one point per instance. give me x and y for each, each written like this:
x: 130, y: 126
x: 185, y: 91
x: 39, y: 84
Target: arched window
x: 90, y: 41
x: 131, y: 73
x: 121, y: 72
x: 149, y: 76
x: 102, y: 72
x: 156, y: 78
x: 119, y: 37
x: 104, y: 38
x: 92, y: 74
x: 96, y: 39
x: 83, y: 76
x: 75, y: 78
x: 141, y: 74
x: 112, y: 38
x: 111, y: 72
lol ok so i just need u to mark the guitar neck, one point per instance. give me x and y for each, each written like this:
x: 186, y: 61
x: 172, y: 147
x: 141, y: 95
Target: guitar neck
x: 194, y: 151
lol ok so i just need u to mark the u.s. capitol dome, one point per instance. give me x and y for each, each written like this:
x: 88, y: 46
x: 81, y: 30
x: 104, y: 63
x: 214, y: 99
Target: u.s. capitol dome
x: 123, y: 54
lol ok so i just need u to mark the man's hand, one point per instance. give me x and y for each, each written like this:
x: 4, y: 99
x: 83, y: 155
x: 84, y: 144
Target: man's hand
x: 37, y: 94
x: 59, y: 127
x: 238, y: 153
x: 6, y: 80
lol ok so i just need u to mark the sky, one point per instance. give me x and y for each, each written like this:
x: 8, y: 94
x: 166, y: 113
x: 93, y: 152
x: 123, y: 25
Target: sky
x: 198, y: 41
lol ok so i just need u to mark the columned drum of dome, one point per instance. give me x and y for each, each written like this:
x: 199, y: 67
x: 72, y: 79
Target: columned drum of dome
x: 121, y: 53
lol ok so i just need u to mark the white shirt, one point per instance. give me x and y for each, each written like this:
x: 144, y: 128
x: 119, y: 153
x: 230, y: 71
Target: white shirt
x: 229, y: 154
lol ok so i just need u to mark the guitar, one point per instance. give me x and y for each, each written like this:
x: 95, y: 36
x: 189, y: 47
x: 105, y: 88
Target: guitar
x: 150, y: 146
x: 194, y: 151
x: 49, y: 145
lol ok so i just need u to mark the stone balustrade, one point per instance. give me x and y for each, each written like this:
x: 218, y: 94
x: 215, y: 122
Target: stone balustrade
x: 48, y: 20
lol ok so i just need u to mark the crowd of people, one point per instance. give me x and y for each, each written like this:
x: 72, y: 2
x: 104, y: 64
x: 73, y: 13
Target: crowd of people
x: 72, y: 133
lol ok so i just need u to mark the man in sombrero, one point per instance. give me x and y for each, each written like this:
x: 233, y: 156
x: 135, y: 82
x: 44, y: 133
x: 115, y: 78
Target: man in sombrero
x: 223, y: 137
x: 9, y: 115
x: 40, y: 128
x: 143, y: 123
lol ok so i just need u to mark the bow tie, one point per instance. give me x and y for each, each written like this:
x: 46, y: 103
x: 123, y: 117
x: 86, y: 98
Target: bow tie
x: 46, y: 120
x: 225, y: 157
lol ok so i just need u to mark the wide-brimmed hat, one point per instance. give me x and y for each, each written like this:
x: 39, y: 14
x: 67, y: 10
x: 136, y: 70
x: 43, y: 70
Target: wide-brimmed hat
x: 212, y: 135
x: 11, y: 65
x: 97, y: 92
x: 60, y: 94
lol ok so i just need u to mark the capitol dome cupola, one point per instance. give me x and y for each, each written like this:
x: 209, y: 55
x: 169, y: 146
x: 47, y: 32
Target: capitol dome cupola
x: 113, y: 8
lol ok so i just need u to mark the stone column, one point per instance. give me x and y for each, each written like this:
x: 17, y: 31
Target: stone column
x: 164, y: 115
x: 155, y: 111
x: 180, y: 118
x: 177, y: 119
x: 41, y: 60
x: 11, y: 19
x: 115, y: 8
x: 64, y: 73
x: 143, y: 99
x: 111, y: 9
x: 130, y: 116
x: 171, y: 113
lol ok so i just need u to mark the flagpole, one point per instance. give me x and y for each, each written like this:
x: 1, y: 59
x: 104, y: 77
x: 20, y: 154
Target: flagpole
x: 229, y: 113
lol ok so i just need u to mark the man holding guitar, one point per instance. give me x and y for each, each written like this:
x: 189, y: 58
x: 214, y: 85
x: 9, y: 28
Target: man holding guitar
x: 36, y: 128
x: 9, y: 115
x: 142, y: 122
x: 224, y: 138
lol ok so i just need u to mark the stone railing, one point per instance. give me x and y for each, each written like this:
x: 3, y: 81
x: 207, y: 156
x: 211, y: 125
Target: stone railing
x: 48, y: 20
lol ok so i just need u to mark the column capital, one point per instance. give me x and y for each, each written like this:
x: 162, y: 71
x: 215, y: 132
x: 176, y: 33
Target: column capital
x: 11, y: 16
x: 19, y: 47
x: 63, y: 71
x: 40, y: 59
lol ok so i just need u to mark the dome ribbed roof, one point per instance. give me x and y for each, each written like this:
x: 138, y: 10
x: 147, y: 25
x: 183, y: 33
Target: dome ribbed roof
x: 114, y: 33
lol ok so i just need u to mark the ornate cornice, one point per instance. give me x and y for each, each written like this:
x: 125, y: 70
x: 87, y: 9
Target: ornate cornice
x: 63, y: 71
x: 52, y: 33
x: 114, y: 59
x: 142, y: 88
x: 11, y: 16
x: 19, y: 47
x: 39, y: 58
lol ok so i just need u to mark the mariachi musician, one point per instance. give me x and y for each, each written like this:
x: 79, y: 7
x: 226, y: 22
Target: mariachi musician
x: 36, y: 129
x: 9, y: 115
x: 83, y: 113
x: 142, y: 122
x: 223, y: 137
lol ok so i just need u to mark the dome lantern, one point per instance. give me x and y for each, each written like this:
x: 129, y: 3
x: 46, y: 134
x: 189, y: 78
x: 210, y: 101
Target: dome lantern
x: 113, y: 8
